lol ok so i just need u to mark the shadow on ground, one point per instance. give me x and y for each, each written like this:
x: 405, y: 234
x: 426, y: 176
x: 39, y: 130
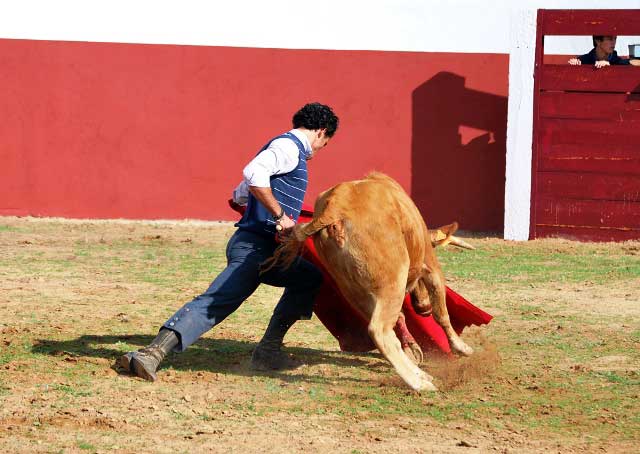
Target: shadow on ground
x: 223, y: 356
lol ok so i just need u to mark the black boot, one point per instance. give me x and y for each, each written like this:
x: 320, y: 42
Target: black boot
x: 267, y: 354
x: 145, y: 361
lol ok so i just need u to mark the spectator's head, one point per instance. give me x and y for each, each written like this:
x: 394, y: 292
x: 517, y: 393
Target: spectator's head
x: 316, y: 116
x: 605, y: 43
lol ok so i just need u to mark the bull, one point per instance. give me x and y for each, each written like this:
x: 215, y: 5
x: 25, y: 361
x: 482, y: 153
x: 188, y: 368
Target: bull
x: 373, y: 241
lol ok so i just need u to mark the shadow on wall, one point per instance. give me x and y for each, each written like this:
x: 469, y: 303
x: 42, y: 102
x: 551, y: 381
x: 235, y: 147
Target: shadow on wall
x: 454, y: 179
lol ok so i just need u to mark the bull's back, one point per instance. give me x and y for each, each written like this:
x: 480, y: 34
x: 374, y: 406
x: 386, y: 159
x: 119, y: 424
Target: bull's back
x: 414, y: 230
x: 384, y: 233
x: 375, y: 199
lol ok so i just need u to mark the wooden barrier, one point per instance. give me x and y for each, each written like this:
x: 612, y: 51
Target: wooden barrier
x: 586, y: 136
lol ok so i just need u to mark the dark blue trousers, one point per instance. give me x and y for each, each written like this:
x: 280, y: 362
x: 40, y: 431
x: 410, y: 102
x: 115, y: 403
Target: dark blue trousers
x: 245, y: 252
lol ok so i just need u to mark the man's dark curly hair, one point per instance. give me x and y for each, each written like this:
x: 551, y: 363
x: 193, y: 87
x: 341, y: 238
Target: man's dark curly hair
x: 316, y: 116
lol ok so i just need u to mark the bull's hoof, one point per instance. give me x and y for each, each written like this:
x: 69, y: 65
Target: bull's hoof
x: 458, y: 346
x: 430, y: 387
x: 414, y: 352
x: 424, y: 385
x: 421, y: 381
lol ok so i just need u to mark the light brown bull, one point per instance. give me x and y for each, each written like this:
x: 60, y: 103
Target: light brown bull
x: 374, y: 242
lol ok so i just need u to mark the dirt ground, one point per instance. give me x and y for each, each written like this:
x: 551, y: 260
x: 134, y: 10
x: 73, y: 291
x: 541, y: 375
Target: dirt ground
x: 557, y: 370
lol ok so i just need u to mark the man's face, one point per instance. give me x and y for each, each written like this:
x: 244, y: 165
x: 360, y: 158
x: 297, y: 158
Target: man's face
x: 608, y: 44
x: 320, y: 140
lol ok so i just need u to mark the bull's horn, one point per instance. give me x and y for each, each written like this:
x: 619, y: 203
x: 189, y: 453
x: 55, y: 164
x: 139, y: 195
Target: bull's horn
x: 444, y: 235
x: 460, y: 242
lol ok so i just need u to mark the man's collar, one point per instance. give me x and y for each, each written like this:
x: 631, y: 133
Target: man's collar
x: 304, y: 139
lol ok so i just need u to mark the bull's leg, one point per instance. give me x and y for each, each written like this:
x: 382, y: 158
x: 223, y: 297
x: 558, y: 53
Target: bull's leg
x: 407, y: 342
x: 434, y: 282
x: 383, y: 318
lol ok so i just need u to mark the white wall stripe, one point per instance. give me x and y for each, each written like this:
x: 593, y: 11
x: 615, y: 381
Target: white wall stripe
x: 471, y: 26
x: 519, y: 126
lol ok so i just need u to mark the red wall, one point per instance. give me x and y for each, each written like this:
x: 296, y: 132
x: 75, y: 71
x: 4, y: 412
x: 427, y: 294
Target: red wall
x: 98, y: 130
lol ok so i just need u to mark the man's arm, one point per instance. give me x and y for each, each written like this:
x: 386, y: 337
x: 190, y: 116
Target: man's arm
x: 265, y: 196
x: 280, y: 157
x: 618, y: 60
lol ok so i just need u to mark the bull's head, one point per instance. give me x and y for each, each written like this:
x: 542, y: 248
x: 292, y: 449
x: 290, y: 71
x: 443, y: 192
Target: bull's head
x: 444, y: 235
x: 420, y: 294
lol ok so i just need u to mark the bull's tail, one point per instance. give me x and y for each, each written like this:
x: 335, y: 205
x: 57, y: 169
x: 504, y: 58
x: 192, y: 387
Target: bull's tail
x: 293, y: 244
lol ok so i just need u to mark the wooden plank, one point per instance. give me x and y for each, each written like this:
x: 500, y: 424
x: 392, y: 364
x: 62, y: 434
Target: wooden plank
x: 619, y: 79
x: 586, y: 233
x: 591, y: 22
x: 615, y: 107
x: 597, y: 132
x: 557, y: 211
x: 589, y: 186
x: 588, y: 146
x: 577, y: 161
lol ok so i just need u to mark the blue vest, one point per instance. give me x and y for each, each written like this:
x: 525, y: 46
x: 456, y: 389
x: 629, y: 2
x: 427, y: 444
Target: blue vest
x: 288, y: 189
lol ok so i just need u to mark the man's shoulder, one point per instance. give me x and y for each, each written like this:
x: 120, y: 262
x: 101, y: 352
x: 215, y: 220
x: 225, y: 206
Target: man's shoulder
x: 287, y: 152
x: 289, y: 142
x: 284, y: 142
x: 589, y: 58
x: 617, y: 60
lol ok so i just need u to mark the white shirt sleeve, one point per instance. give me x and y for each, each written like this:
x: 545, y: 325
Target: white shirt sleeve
x: 281, y: 156
x: 241, y: 193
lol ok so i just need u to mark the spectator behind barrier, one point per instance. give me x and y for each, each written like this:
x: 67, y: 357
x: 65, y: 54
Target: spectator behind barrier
x: 603, y: 54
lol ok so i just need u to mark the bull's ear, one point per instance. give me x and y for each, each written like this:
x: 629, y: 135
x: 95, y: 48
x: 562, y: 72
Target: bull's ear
x: 441, y: 235
x: 449, y: 229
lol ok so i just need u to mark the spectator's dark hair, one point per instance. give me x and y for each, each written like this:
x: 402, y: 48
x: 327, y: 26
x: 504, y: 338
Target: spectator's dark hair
x: 600, y: 38
x: 316, y: 116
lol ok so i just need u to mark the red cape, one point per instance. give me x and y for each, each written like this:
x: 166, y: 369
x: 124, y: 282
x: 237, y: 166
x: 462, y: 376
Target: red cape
x: 350, y: 329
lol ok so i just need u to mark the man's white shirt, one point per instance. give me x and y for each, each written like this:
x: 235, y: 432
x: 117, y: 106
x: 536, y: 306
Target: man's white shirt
x: 281, y: 156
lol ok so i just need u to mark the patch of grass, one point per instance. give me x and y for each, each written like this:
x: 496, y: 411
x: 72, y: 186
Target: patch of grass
x: 108, y: 288
x: 613, y: 377
x: 526, y: 264
x: 177, y: 414
x: 6, y: 358
x: 71, y: 390
x: 86, y: 446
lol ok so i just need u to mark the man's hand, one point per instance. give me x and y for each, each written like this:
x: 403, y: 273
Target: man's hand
x: 575, y: 62
x: 285, y: 224
x: 265, y: 197
x: 602, y: 64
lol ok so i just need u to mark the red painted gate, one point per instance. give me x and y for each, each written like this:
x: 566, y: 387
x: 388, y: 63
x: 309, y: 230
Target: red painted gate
x: 586, y: 136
